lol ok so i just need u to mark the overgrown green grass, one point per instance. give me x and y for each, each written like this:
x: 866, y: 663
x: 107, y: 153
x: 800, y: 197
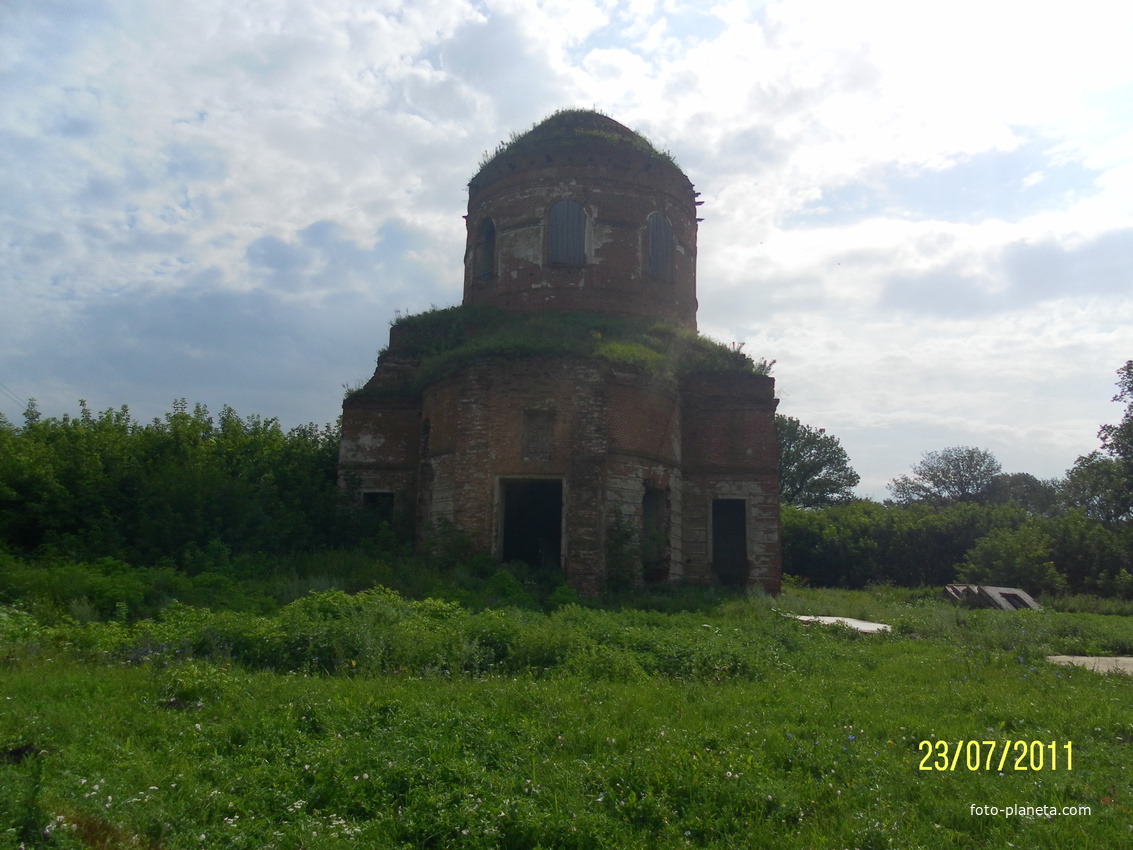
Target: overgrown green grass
x: 372, y: 720
x: 106, y: 588
x: 445, y: 340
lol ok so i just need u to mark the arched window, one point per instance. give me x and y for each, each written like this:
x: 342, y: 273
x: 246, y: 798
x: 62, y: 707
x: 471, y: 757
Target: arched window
x: 568, y: 234
x: 659, y: 256
x: 484, y: 251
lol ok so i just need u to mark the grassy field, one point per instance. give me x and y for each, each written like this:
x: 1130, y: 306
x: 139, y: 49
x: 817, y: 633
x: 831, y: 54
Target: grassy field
x: 375, y: 721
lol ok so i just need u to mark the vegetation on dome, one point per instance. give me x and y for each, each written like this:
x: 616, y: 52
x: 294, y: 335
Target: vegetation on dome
x: 572, y: 126
x: 443, y: 340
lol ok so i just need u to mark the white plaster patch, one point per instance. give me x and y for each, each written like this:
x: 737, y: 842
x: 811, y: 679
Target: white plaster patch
x: 526, y: 244
x: 602, y: 234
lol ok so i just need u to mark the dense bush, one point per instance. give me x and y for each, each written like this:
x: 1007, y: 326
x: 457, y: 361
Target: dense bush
x: 1021, y: 557
x: 863, y: 542
x: 183, y: 491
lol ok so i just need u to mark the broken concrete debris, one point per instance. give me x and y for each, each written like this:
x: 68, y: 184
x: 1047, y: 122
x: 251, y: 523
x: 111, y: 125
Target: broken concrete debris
x: 987, y: 596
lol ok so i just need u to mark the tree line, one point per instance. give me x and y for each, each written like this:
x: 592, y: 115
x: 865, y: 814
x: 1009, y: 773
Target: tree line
x: 958, y: 517
x: 183, y: 490
x: 193, y: 494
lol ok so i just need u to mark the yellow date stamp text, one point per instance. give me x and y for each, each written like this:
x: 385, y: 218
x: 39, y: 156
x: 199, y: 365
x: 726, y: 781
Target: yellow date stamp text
x: 997, y: 755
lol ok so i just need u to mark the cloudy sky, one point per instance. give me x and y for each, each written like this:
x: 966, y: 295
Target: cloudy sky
x: 923, y: 211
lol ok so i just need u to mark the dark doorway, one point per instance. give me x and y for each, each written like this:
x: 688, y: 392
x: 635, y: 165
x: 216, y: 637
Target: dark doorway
x: 532, y: 521
x: 379, y: 505
x: 654, y: 536
x: 729, y: 541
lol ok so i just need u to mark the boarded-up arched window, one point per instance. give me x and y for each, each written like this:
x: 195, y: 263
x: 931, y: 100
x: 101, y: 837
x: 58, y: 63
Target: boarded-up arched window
x: 484, y: 251
x: 568, y: 234
x: 659, y: 260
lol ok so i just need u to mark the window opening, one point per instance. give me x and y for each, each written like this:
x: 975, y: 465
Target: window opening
x: 484, y: 251
x: 379, y: 505
x: 729, y: 541
x: 568, y: 234
x: 654, y: 535
x: 532, y: 527
x: 660, y: 255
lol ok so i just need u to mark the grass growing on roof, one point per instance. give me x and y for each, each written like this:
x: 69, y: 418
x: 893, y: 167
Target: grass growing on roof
x: 537, y: 135
x: 444, y: 340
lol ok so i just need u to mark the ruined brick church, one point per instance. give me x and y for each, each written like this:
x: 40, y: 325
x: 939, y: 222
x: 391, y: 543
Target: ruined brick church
x: 562, y: 416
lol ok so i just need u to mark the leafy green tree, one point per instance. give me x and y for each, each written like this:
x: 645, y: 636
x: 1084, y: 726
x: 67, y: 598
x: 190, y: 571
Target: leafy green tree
x: 955, y: 474
x: 1032, y: 494
x: 1086, y: 552
x: 832, y: 547
x: 1021, y: 557
x: 1118, y: 439
x: 1100, y: 484
x: 28, y: 490
x: 1095, y: 485
x: 814, y: 469
x: 1117, y: 443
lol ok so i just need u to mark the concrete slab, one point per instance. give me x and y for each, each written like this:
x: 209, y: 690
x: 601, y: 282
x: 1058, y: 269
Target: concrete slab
x: 859, y: 625
x: 988, y: 596
x: 1097, y: 663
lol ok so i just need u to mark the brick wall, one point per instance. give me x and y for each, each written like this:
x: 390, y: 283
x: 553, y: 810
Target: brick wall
x: 618, y: 190
x: 487, y: 402
x: 731, y: 452
x: 644, y: 416
x: 612, y: 434
x: 729, y: 423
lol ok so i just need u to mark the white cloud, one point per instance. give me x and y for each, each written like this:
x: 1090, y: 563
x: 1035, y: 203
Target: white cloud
x: 922, y: 211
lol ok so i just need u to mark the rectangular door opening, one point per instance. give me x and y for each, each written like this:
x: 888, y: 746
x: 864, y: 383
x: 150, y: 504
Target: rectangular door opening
x: 532, y: 514
x: 729, y: 541
x: 379, y: 505
x: 654, y: 536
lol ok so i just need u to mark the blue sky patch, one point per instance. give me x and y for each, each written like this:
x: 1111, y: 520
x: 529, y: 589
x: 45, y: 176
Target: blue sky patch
x: 993, y: 185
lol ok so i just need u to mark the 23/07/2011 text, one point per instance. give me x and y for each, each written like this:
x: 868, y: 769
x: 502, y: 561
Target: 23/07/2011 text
x: 980, y: 755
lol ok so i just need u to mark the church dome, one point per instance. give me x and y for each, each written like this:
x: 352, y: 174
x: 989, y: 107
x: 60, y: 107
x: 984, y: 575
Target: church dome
x: 579, y: 136
x: 581, y: 213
